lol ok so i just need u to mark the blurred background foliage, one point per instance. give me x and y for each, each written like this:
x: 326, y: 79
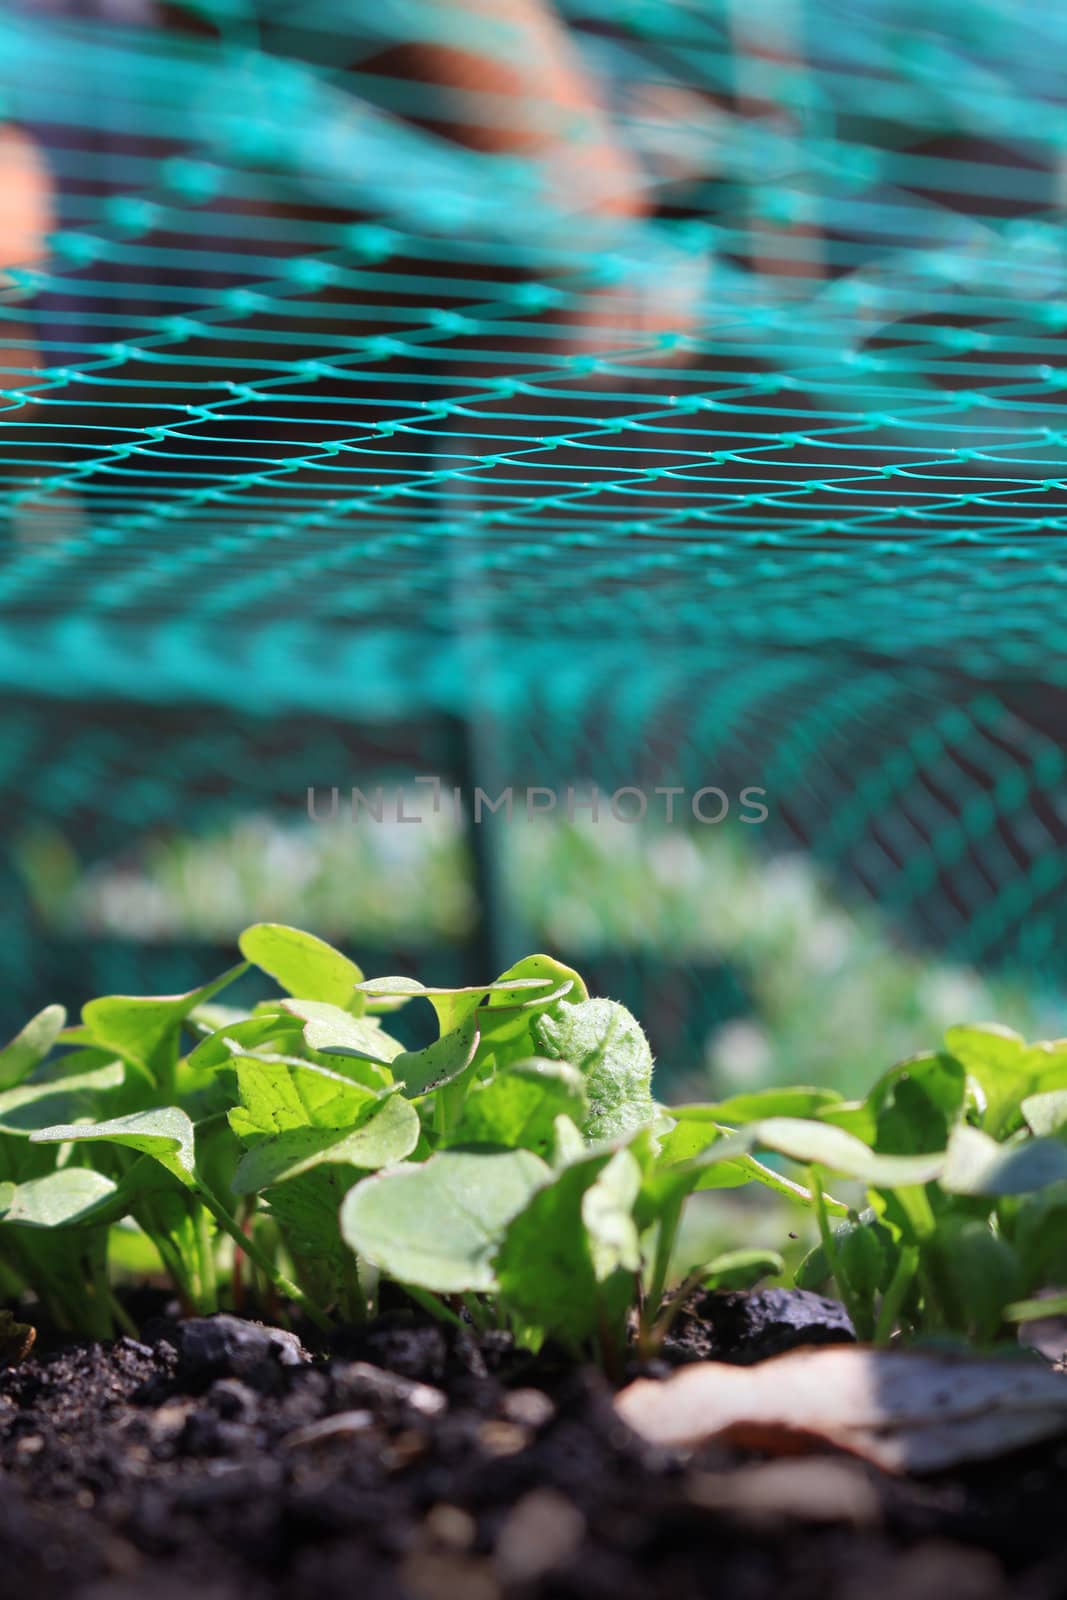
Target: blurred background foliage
x: 746, y: 965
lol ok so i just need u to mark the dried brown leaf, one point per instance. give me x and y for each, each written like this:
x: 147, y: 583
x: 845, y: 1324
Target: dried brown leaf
x: 906, y: 1411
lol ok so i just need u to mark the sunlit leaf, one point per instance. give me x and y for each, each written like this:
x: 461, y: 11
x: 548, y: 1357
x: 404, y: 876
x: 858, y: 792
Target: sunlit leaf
x: 681, y: 1167
x: 453, y: 1006
x: 520, y: 1104
x: 30, y: 1045
x: 302, y: 965
x: 64, y: 1097
x: 166, y: 1135
x: 608, y: 1047
x: 1006, y: 1068
x: 740, y: 1108
x: 1046, y: 1113
x: 438, y: 1225
x: 332, y: 1031
x: 389, y: 1131
x: 278, y: 1094
x: 978, y: 1165
x: 144, y: 1030
x: 568, y: 1258
x: 420, y: 1071
x: 73, y: 1196
x: 234, y: 1038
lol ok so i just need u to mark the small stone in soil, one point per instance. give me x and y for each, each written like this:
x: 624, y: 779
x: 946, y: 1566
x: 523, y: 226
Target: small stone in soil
x: 502, y: 1438
x: 745, y: 1328
x: 813, y: 1489
x: 410, y: 1351
x: 225, y: 1346
x: 342, y: 1425
x: 541, y: 1534
x: 387, y: 1392
x: 451, y: 1527
x: 530, y: 1408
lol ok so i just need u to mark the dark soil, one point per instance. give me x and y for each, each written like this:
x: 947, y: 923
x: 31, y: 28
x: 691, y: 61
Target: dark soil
x: 217, y: 1460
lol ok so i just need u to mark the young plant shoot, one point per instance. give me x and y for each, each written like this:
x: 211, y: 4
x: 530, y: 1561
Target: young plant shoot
x: 514, y: 1172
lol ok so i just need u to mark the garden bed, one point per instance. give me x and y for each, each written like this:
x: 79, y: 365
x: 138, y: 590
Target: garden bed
x: 479, y: 1241
x: 410, y: 1459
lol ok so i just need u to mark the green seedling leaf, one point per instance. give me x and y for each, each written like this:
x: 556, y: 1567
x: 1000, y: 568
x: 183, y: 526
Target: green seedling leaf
x: 73, y: 1196
x: 507, y: 1019
x: 861, y: 1267
x: 746, y: 1169
x: 306, y: 1208
x: 513, y: 987
x: 819, y: 1144
x: 568, y: 1258
x: 1049, y: 1061
x: 278, y: 1093
x: 454, y: 1006
x: 741, y: 1108
x: 741, y: 1269
x: 1046, y: 1113
x: 76, y: 1034
x: 144, y: 1030
x: 977, y: 1274
x: 605, y: 1043
x: 854, y: 1116
x: 166, y: 1135
x: 1052, y: 1305
x: 986, y: 1048
x: 385, y: 1004
x: 388, y: 1132
x: 1007, y: 1069
x: 680, y: 1171
x: 250, y: 1033
x: 332, y: 1031
x: 218, y: 1150
x: 65, y: 1097
x: 688, y: 1137
x: 31, y: 1045
x: 978, y: 1165
x: 865, y: 1251
x: 171, y: 1213
x: 302, y: 965
x: 437, y: 1226
x: 568, y: 1145
x: 405, y: 989
x: 519, y: 1106
x: 807, y: 1142
x: 1035, y: 1224
x: 608, y: 1217
x: 911, y: 1109
x: 419, y: 1071
x: 208, y: 1019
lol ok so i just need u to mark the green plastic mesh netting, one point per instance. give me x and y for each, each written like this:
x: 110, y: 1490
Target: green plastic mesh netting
x: 642, y: 391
